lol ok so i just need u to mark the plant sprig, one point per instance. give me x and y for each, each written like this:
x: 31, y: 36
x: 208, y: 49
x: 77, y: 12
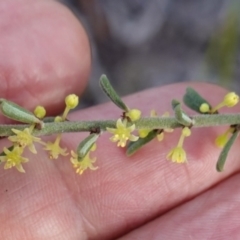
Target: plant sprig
x: 206, y: 120
x: 131, y: 130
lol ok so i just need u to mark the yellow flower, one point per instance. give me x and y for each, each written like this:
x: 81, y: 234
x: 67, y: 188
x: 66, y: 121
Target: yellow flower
x: 40, y: 112
x: 222, y: 139
x: 25, y: 138
x: 134, y: 114
x: 178, y: 154
x: 83, y: 164
x: 55, y: 149
x: 122, y: 133
x: 230, y: 100
x: 13, y: 158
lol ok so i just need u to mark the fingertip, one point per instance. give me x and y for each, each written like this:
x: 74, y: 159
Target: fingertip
x: 45, y: 54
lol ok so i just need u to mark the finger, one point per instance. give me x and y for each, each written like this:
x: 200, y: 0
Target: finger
x: 126, y: 192
x: 212, y: 215
x: 44, y: 53
x: 123, y: 193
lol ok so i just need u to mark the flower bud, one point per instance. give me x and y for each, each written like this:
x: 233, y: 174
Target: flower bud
x: 71, y: 101
x: 231, y: 99
x: 204, y: 108
x: 58, y: 119
x: 40, y: 112
x: 134, y: 114
x: 186, y: 132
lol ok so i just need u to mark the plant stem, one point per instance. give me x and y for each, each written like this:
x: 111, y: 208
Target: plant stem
x: 205, y: 120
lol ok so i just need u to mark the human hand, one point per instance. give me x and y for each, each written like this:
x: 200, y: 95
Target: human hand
x: 145, y: 193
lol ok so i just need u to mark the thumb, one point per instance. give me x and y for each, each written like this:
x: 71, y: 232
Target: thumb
x: 44, y: 53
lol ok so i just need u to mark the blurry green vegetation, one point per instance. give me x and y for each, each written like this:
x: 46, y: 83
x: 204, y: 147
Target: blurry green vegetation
x: 223, y: 47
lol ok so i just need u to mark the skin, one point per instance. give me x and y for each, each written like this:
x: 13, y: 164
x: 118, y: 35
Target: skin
x: 141, y: 197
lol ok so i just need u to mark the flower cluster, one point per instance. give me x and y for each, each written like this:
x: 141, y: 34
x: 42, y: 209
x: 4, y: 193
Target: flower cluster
x: 130, y: 131
x: 21, y: 139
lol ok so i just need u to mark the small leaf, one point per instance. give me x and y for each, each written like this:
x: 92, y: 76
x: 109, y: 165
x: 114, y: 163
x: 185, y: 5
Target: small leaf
x: 134, y: 146
x: 18, y: 113
x: 175, y: 103
x: 111, y: 93
x: 223, y: 155
x: 193, y: 100
x: 85, y: 146
x: 180, y: 115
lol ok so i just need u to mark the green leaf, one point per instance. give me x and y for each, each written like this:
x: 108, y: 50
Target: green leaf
x: 180, y: 115
x: 223, y: 155
x: 85, y: 146
x: 18, y: 113
x: 194, y: 100
x: 134, y: 146
x: 175, y: 103
x: 111, y: 93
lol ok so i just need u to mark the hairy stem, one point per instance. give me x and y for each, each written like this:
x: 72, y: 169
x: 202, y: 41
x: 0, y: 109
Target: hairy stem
x: 207, y: 120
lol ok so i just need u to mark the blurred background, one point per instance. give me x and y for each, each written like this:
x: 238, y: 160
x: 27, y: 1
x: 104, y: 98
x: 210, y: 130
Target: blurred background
x: 140, y: 44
